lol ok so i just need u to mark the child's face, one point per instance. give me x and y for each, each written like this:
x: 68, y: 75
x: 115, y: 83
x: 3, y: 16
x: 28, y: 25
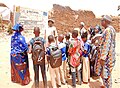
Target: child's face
x: 36, y: 32
x: 60, y: 39
x: 73, y: 36
x: 84, y: 39
x: 50, y: 24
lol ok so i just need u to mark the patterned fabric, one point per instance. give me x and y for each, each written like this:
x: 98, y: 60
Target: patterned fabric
x: 75, y: 52
x: 95, y: 51
x: 62, y: 47
x: 107, y: 54
x: 107, y: 82
x: 18, y: 43
x: 19, y: 59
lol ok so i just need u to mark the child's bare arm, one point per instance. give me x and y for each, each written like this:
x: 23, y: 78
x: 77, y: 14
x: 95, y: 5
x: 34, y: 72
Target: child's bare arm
x: 30, y: 49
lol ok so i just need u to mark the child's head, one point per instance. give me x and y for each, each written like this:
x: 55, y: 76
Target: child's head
x: 60, y: 38
x: 74, y: 33
x: 50, y: 22
x: 51, y: 38
x: 67, y: 36
x: 36, y: 31
x: 84, y: 36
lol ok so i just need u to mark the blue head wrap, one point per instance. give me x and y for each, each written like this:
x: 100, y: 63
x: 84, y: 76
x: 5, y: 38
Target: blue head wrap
x: 17, y: 27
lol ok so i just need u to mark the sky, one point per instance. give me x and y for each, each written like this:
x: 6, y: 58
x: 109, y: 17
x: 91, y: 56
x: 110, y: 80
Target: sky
x: 99, y: 7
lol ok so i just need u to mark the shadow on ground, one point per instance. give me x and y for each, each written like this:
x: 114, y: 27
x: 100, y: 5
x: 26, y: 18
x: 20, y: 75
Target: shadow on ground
x: 95, y: 84
x: 41, y: 84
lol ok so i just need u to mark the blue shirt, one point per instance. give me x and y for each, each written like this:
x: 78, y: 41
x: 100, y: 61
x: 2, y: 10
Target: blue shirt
x: 48, y: 49
x: 87, y: 48
x: 62, y: 47
x: 39, y: 38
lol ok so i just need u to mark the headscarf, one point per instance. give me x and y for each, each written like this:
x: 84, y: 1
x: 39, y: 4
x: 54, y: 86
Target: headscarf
x: 99, y: 29
x: 17, y: 27
x: 108, y: 18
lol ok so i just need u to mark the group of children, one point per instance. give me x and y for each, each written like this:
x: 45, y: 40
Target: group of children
x: 75, y: 56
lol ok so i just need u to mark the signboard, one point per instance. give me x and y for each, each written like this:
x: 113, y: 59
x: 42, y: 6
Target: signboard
x: 31, y: 18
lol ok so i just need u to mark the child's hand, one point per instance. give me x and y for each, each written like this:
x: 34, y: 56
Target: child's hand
x: 13, y: 55
x: 29, y: 52
x: 85, y: 52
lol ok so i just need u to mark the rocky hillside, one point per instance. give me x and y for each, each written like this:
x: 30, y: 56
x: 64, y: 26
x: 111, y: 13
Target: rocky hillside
x: 67, y: 19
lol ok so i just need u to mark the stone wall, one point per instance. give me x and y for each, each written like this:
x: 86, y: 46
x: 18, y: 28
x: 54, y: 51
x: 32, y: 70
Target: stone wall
x: 67, y: 19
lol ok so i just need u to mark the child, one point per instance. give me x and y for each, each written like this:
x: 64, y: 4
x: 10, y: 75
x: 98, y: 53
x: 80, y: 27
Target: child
x: 85, y: 59
x: 53, y: 71
x: 67, y: 37
x: 75, y: 54
x: 62, y: 47
x: 42, y: 64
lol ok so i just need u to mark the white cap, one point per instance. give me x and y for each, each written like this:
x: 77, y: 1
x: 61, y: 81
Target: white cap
x: 51, y: 20
x: 82, y: 23
x: 106, y: 17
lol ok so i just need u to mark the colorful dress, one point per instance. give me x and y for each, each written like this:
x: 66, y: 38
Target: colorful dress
x: 19, y: 60
x: 75, y: 52
x: 75, y: 56
x: 107, y: 54
x: 95, y: 54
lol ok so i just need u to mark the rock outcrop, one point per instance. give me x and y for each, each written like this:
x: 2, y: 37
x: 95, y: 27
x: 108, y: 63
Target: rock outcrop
x: 67, y: 19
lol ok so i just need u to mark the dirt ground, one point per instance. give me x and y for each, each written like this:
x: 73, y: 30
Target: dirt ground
x: 5, y: 76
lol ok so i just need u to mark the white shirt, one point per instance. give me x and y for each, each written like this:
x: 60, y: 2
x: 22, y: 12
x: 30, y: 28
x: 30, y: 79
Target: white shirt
x: 83, y: 30
x: 50, y: 31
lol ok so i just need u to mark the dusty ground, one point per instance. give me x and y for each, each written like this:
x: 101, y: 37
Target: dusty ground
x: 5, y: 81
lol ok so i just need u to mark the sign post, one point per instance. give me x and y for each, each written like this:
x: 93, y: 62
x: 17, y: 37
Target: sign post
x: 31, y: 18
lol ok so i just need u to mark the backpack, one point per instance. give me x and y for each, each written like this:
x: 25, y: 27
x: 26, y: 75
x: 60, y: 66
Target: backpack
x: 38, y: 52
x: 55, y: 56
x: 67, y: 47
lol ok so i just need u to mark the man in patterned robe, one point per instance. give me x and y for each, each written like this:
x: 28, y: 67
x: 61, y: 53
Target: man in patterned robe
x: 107, y: 58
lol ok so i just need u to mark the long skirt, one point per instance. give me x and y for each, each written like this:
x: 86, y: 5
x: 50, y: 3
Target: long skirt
x: 20, y: 69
